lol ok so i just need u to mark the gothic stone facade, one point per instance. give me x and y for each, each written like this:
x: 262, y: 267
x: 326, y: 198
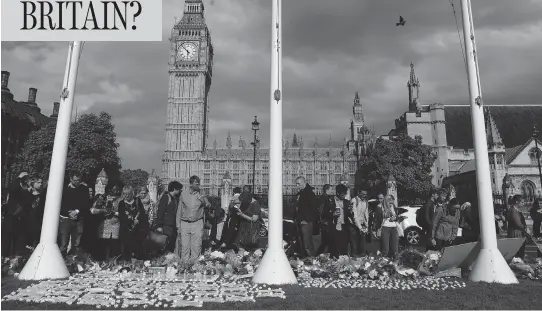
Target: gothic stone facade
x: 448, y: 129
x: 187, y: 127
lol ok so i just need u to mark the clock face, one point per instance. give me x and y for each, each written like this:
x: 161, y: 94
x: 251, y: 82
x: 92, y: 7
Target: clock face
x: 186, y: 51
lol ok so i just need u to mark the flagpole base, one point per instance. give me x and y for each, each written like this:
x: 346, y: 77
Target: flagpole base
x: 491, y: 267
x: 274, y: 269
x: 45, y: 263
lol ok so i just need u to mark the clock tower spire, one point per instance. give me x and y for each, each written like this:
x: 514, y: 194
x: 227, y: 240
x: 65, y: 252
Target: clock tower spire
x: 190, y: 75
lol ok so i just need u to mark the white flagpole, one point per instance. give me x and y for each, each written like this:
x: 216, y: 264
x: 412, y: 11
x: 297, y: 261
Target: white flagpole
x: 490, y: 265
x: 274, y: 269
x: 46, y: 261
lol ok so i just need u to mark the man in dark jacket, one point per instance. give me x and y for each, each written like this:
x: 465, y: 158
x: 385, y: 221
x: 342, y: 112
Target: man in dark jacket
x: 75, y: 206
x: 306, y: 214
x: 15, y: 217
x: 427, y: 212
x: 167, y: 214
x: 437, y: 200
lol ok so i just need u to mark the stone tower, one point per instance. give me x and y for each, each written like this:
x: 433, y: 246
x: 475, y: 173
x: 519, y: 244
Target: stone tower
x: 437, y: 128
x: 152, y: 186
x: 413, y: 86
x: 358, y: 118
x: 101, y: 182
x: 496, y: 151
x: 358, y: 129
x: 190, y: 74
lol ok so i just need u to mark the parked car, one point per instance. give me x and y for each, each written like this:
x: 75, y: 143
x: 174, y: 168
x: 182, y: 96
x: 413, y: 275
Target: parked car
x: 412, y: 232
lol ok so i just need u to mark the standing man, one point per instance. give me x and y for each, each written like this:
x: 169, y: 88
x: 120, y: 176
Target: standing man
x: 190, y: 220
x: 424, y: 216
x: 166, y: 219
x: 436, y: 202
x: 306, y: 214
x: 325, y: 201
x: 358, y: 227
x: 75, y: 206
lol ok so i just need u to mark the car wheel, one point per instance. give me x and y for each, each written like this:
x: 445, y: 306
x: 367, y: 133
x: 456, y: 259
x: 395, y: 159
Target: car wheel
x: 413, y: 236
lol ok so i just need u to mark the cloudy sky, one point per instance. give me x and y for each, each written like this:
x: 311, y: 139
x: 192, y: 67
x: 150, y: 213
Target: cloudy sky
x: 332, y: 48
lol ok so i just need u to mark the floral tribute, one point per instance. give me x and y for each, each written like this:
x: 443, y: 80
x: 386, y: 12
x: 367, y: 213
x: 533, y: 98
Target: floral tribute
x: 527, y: 269
x: 413, y: 270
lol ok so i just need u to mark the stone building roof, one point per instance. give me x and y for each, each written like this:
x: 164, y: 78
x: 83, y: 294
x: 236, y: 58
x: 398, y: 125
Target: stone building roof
x: 514, y: 123
x: 28, y: 111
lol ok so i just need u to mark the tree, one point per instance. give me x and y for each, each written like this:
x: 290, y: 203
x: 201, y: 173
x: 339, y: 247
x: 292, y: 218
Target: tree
x: 92, y: 146
x: 404, y: 157
x: 135, y: 178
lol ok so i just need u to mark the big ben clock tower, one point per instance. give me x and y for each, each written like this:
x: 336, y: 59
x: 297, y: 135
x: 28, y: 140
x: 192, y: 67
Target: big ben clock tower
x: 190, y: 73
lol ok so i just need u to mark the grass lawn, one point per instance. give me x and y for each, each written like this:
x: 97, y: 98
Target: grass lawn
x: 526, y: 295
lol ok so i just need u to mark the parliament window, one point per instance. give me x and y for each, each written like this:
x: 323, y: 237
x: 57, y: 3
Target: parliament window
x: 235, y: 165
x: 222, y: 165
x: 352, y: 166
x: 206, y: 179
x: 207, y: 165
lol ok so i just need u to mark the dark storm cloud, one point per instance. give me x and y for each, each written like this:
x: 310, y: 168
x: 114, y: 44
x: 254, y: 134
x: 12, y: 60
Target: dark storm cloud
x: 332, y: 48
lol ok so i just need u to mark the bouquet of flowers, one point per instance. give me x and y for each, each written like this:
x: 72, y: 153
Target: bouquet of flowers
x: 429, y: 265
x: 13, y: 265
x: 410, y: 258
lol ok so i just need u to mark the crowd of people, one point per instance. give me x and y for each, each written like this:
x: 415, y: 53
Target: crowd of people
x: 122, y: 222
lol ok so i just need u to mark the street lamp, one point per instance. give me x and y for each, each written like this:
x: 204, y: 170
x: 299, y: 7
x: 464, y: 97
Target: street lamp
x: 255, y: 128
x: 535, y: 136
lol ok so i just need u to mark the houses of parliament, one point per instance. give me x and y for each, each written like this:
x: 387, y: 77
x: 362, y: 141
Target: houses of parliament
x: 187, y: 150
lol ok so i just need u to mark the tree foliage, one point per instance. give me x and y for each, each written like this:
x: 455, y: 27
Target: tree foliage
x: 92, y: 146
x: 134, y: 178
x: 407, y: 160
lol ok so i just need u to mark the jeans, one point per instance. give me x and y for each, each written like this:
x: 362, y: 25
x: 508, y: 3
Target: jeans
x: 324, y: 238
x: 389, y: 241
x: 357, y: 241
x: 306, y: 237
x: 191, y: 240
x: 338, y: 241
x: 69, y: 229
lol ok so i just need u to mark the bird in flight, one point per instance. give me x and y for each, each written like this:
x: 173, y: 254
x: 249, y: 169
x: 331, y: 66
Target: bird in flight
x: 401, y: 22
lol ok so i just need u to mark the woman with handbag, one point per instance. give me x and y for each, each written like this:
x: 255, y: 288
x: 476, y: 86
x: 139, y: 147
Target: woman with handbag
x: 249, y: 226
x: 134, y: 224
x: 107, y: 208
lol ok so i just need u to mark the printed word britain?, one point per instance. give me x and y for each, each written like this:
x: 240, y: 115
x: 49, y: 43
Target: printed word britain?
x: 98, y: 15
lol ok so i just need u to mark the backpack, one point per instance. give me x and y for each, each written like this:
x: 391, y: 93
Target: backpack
x: 420, y: 216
